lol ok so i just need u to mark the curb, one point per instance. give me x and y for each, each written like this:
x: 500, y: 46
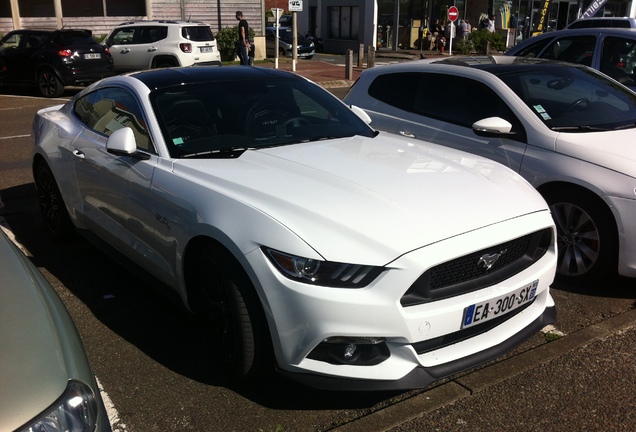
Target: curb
x: 467, y: 385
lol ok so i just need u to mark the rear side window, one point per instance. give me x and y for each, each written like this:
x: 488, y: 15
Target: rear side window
x: 197, y: 33
x: 152, y: 34
x: 397, y: 90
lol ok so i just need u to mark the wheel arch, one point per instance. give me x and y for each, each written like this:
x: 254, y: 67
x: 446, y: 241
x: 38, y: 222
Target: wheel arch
x: 164, y: 59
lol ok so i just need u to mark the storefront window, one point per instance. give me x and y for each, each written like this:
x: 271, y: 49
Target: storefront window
x: 344, y: 22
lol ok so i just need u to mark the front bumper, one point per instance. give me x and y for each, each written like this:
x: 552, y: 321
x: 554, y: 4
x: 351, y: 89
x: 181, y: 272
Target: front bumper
x: 422, y: 376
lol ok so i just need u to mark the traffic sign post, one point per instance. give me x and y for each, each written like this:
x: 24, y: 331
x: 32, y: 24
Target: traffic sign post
x: 453, y: 14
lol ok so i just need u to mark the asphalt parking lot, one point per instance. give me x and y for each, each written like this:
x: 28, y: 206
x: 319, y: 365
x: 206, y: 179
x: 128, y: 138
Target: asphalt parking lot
x: 155, y: 369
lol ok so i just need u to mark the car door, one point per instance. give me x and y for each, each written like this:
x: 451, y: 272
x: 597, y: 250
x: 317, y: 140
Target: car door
x: 121, y: 46
x: 146, y: 45
x: 442, y: 108
x: 17, y: 56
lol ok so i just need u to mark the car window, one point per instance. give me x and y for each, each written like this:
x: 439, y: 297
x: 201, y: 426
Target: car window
x: 123, y: 36
x: 534, y: 49
x: 150, y: 34
x: 574, y: 49
x: 107, y: 110
x: 396, y: 89
x: 72, y: 38
x: 197, y: 33
x: 12, y: 41
x: 618, y: 59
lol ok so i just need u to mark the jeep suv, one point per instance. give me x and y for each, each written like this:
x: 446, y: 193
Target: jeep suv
x: 52, y: 59
x: 154, y: 44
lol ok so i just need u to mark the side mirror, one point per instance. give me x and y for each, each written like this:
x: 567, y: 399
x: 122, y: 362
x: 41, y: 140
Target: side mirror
x: 361, y: 113
x: 493, y: 127
x: 122, y: 142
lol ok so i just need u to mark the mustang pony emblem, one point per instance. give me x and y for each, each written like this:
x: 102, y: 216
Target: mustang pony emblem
x: 489, y: 260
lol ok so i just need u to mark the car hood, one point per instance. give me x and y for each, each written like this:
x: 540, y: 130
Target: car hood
x: 36, y: 334
x: 613, y: 149
x: 381, y: 196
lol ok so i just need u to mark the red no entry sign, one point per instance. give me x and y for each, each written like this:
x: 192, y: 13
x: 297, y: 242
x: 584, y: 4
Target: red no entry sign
x: 453, y: 13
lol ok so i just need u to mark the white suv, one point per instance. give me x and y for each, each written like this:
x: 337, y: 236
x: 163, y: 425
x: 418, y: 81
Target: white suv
x: 155, y: 44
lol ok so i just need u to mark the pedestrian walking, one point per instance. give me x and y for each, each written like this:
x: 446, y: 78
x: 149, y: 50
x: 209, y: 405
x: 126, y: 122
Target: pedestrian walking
x: 243, y: 43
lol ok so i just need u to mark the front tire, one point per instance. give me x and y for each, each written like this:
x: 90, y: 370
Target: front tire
x: 230, y: 305
x: 587, y: 238
x: 52, y: 207
x: 48, y: 84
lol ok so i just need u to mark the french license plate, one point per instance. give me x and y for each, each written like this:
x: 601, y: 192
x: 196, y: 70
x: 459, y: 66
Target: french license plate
x: 92, y: 56
x: 206, y: 49
x: 479, y: 313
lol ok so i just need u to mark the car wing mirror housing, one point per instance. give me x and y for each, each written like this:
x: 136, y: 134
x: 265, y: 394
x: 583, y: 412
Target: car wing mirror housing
x: 493, y: 127
x: 122, y: 142
x: 361, y: 113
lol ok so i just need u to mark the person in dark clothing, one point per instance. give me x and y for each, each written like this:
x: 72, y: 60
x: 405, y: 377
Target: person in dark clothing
x: 243, y: 43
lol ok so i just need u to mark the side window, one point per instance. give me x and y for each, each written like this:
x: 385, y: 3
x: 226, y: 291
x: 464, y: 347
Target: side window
x: 110, y: 109
x: 13, y: 41
x: 577, y: 49
x: 618, y: 59
x: 534, y: 49
x: 152, y: 34
x: 397, y: 89
x: 460, y: 101
x: 123, y: 36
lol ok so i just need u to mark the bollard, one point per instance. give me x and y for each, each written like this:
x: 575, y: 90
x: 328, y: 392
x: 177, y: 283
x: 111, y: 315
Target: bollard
x: 371, y: 57
x: 360, y: 55
x: 349, y: 65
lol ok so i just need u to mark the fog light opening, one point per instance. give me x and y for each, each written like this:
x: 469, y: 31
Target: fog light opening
x: 340, y: 350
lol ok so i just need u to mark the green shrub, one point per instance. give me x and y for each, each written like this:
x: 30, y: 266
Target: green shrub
x: 463, y: 46
x: 226, y: 42
x: 480, y: 38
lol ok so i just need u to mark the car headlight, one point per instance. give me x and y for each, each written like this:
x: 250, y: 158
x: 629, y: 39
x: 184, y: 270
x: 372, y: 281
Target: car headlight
x: 325, y: 273
x: 75, y: 411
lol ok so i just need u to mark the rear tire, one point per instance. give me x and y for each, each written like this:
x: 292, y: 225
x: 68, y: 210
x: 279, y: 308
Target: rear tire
x: 231, y: 308
x: 587, y: 240
x: 48, y: 84
x: 54, y: 214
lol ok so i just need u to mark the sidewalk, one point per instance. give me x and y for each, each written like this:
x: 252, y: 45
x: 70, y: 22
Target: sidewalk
x: 330, y: 75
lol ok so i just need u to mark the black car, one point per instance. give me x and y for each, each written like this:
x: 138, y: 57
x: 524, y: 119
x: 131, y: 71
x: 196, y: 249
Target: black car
x: 52, y: 59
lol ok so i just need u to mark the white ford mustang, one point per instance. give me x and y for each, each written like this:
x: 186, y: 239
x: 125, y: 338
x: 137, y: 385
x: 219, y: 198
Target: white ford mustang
x: 354, y: 259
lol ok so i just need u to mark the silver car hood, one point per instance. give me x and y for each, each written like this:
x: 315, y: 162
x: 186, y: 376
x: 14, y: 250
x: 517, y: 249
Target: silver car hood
x: 383, y: 196
x: 35, y: 335
x: 614, y: 150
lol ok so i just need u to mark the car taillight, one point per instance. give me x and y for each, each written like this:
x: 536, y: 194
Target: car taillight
x: 107, y: 50
x: 186, y: 47
x: 65, y: 53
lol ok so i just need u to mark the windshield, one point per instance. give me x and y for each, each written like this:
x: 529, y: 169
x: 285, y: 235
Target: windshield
x: 572, y: 98
x: 225, y: 117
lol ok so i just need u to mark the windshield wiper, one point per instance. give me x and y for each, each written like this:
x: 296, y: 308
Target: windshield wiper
x: 580, y: 128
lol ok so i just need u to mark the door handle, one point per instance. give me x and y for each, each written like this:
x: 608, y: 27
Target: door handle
x: 152, y: 49
x: 79, y: 154
x: 406, y: 134
x: 125, y: 50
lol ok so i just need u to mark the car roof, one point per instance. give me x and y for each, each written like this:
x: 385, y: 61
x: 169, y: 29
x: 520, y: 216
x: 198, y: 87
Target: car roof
x: 629, y: 32
x: 610, y: 22
x: 162, y: 78
x: 154, y: 22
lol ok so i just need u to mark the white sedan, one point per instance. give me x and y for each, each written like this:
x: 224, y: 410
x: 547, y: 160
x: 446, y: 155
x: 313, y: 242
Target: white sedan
x: 354, y: 259
x: 567, y: 129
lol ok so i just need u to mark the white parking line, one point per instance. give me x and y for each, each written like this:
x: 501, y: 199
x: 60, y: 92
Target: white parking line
x: 15, y: 136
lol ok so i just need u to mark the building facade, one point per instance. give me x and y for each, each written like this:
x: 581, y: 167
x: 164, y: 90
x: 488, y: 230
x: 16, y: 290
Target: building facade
x: 394, y: 24
x: 101, y: 16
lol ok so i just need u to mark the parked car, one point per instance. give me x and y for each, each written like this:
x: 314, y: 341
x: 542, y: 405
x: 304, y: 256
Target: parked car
x: 612, y: 51
x: 52, y: 59
x: 47, y: 383
x: 565, y: 128
x: 306, y: 48
x: 361, y: 260
x: 139, y: 45
x: 595, y: 22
